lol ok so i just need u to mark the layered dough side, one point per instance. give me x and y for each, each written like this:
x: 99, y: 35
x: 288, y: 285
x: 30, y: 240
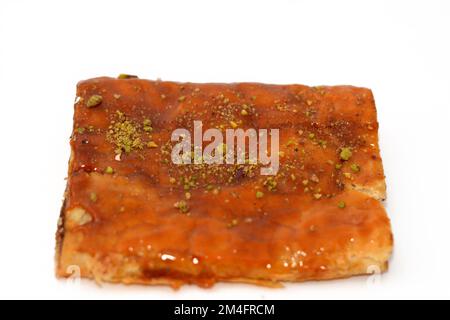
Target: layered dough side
x: 310, y: 240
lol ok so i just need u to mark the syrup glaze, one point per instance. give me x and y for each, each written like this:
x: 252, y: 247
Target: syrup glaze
x: 206, y: 223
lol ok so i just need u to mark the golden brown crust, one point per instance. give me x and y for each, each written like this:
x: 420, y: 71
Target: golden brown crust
x: 319, y: 217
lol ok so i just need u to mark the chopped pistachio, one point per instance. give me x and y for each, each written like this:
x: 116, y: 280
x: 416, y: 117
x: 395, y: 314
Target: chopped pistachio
x: 81, y: 130
x: 305, y: 182
x: 346, y: 153
x: 271, y: 184
x: 152, y: 144
x: 311, y: 136
x: 259, y: 194
x: 182, y: 98
x: 188, y: 195
x: 355, y: 167
x: 94, y: 101
x: 182, y: 206
x: 109, y: 170
x: 125, y: 76
x: 233, y: 124
x: 244, y: 112
x: 189, y: 182
x: 341, y: 204
x: 293, y: 177
x: 338, y: 166
x: 290, y: 142
x: 124, y: 134
x: 147, y: 125
x: 93, y: 196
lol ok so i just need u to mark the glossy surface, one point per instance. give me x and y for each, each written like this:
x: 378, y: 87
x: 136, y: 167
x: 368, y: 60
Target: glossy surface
x: 308, y: 224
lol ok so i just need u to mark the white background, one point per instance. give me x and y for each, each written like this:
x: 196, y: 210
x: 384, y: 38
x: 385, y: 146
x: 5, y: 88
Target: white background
x: 400, y: 49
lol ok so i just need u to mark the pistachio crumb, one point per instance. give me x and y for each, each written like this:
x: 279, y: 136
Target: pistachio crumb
x: 233, y: 124
x: 341, y: 204
x: 94, y: 101
x: 182, y: 206
x: 152, y: 144
x: 109, y: 170
x: 271, y: 184
x: 181, y: 98
x: 81, y: 130
x: 147, y: 123
x: 244, y: 112
x: 259, y: 194
x: 126, y: 76
x: 317, y: 196
x: 124, y: 134
x: 346, y: 153
x: 355, y: 167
